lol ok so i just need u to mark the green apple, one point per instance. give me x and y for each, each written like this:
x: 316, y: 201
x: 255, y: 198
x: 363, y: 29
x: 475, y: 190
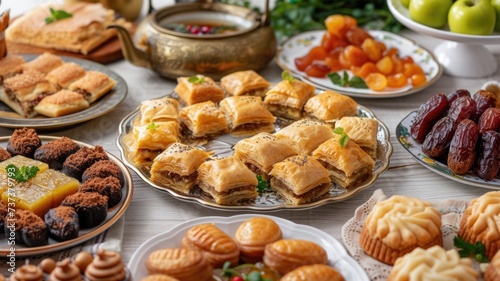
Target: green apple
x: 474, y: 17
x: 405, y: 3
x: 431, y: 13
x: 496, y: 5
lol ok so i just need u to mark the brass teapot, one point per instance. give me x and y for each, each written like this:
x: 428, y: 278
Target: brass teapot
x: 174, y: 54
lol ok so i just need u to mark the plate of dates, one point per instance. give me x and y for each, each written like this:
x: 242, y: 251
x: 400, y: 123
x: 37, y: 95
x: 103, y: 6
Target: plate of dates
x: 456, y: 136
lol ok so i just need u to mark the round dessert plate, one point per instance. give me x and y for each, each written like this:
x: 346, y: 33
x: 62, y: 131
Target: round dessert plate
x: 414, y: 148
x: 84, y: 234
x: 107, y: 103
x: 222, y: 146
x: 300, y: 44
x: 337, y: 255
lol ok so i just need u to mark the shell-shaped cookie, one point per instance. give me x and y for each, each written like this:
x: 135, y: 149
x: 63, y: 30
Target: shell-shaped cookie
x: 183, y: 264
x: 253, y: 235
x: 316, y: 272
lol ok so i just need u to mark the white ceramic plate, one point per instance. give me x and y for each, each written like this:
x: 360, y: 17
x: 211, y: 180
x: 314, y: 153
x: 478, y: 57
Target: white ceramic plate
x: 337, y: 255
x: 299, y: 45
x: 84, y: 234
x: 414, y: 148
x: 10, y: 119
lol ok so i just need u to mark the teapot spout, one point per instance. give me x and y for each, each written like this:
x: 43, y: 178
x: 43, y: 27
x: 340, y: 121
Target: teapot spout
x: 130, y: 52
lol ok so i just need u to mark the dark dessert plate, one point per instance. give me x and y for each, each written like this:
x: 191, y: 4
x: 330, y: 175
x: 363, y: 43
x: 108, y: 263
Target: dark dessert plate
x: 84, y: 234
x: 10, y: 119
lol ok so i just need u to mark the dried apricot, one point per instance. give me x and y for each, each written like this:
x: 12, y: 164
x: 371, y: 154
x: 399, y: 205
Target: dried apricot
x: 410, y: 69
x: 371, y: 49
x: 418, y: 80
x: 318, y: 70
x: 376, y: 81
x: 397, y: 65
x: 385, y: 65
x: 397, y: 80
x: 317, y: 53
x: 303, y: 62
x: 356, y: 35
x: 365, y: 69
x: 334, y: 23
x: 355, y: 56
x: 334, y: 63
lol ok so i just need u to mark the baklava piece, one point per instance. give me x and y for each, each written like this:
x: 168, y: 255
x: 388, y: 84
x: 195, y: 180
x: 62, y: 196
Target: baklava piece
x: 176, y: 166
x: 109, y: 187
x: 23, y: 92
x: 55, y: 152
x: 362, y: 131
x: 228, y: 181
x: 151, y: 139
x: 159, y: 110
x: 300, y: 179
x: 253, y: 235
x: 316, y: 272
x: 63, y: 223
x: 103, y: 169
x: 44, y: 63
x: 183, y: 264
x: 4, y: 154
x: 93, y: 85
x: 246, y: 82
x: 65, y: 74
x: 24, y: 142
x: 197, y: 89
x: 348, y: 166
x: 91, y: 207
x: 287, y: 98
x: 247, y: 115
x: 330, y: 106
x: 203, y: 119
x: 305, y: 135
x: 10, y: 65
x: 78, y: 162
x: 262, y: 151
x: 62, y: 103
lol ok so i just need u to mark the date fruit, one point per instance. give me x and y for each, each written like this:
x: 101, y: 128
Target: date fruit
x: 489, y: 155
x: 438, y: 140
x: 462, y: 108
x: 427, y: 115
x: 489, y: 120
x: 484, y: 100
x: 456, y: 94
x: 463, y: 147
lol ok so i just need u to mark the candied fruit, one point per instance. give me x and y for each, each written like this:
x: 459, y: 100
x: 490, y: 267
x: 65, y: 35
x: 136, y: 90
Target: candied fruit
x: 58, y: 183
x: 20, y: 161
x: 27, y: 196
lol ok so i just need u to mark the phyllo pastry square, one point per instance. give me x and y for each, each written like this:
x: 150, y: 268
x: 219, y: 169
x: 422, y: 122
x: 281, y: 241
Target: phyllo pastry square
x: 66, y: 74
x: 151, y: 139
x: 228, y: 181
x: 61, y: 103
x: 44, y: 63
x: 9, y: 66
x: 246, y: 82
x: 300, y: 179
x: 262, y: 151
x: 305, y: 135
x: 93, y: 85
x: 198, y: 88
x: 347, y: 165
x: 330, y: 106
x: 176, y: 166
x: 287, y: 98
x: 22, y: 92
x: 362, y: 131
x: 247, y: 115
x: 159, y: 110
x: 203, y: 119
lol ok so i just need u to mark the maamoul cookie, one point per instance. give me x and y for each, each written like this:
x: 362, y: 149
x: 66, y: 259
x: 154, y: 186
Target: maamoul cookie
x: 398, y: 225
x: 316, y: 272
x: 159, y: 277
x: 183, y: 264
x: 253, y: 235
x: 433, y: 264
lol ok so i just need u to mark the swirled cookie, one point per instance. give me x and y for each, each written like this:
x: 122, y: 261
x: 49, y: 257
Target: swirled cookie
x: 182, y: 264
x: 481, y: 222
x: 398, y: 225
x: 493, y: 271
x: 253, y: 235
x: 433, y: 264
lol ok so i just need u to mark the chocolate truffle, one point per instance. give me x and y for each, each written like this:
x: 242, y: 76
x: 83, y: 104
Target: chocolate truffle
x: 103, y: 169
x: 91, y: 207
x: 29, y: 228
x: 108, y: 186
x: 24, y: 142
x: 4, y: 154
x: 78, y: 162
x: 63, y: 223
x: 55, y: 152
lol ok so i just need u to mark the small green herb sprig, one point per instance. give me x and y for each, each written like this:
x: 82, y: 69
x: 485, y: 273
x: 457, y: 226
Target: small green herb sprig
x: 56, y: 15
x: 344, y: 138
x: 22, y: 174
x: 196, y: 79
x: 286, y: 76
x: 152, y: 125
x: 344, y: 81
x: 262, y: 185
x: 466, y: 249
x: 227, y: 271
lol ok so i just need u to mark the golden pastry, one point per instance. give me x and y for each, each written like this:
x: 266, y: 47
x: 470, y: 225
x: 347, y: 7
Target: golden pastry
x: 203, y: 119
x: 9, y: 66
x: 182, y: 264
x: 493, y: 270
x: 61, y: 103
x: 288, y: 254
x: 198, y: 88
x: 253, y: 235
x: 362, y: 131
x: 305, y: 135
x: 330, y: 106
x: 287, y: 98
x: 159, y: 110
x: 159, y: 277
x: 93, y: 85
x: 65, y: 74
x: 151, y: 139
x: 44, y: 63
x: 215, y: 244
x: 316, y: 272
x: 247, y: 115
x: 246, y: 82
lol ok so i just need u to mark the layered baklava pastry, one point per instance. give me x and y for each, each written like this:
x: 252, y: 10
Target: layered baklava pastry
x: 287, y: 98
x: 24, y: 142
x: 286, y: 255
x: 44, y: 63
x: 182, y: 264
x: 215, y: 244
x: 176, y: 167
x: 329, y: 106
x: 247, y: 115
x: 434, y: 263
x: 65, y: 74
x: 151, y: 139
x: 9, y: 66
x: 22, y: 92
x: 316, y: 272
x: 159, y: 277
x: 159, y: 110
x: 300, y: 179
x: 56, y: 151
x: 203, y: 119
x: 228, y: 181
x: 348, y: 166
x: 93, y: 85
x: 305, y: 135
x: 493, y: 270
x: 103, y: 169
x: 398, y: 225
x: 108, y: 186
x: 262, y: 151
x: 198, y: 88
x: 480, y: 222
x: 63, y: 102
x: 362, y: 131
x: 91, y: 207
x: 253, y: 235
x: 246, y: 82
